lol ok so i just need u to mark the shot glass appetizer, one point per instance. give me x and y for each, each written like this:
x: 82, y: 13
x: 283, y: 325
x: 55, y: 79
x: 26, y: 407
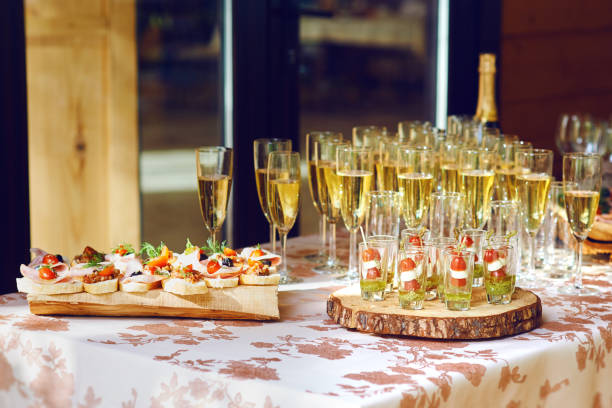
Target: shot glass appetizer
x: 390, y: 243
x: 473, y: 240
x: 500, y: 273
x: 412, y: 277
x: 458, y: 277
x: 434, y: 286
x: 372, y: 275
x: 413, y: 237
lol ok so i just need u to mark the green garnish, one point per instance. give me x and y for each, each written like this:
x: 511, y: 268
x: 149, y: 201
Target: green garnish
x: 189, y: 247
x: 150, y: 251
x: 95, y: 260
x: 213, y: 247
x: 128, y: 247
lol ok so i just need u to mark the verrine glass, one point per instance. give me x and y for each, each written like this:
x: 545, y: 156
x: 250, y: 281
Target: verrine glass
x: 261, y: 150
x: 582, y: 186
x: 283, y: 185
x: 412, y: 270
x: 500, y: 273
x: 214, y: 169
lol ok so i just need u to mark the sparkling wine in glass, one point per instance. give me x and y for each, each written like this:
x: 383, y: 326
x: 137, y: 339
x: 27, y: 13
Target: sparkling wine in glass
x: 261, y: 149
x: 532, y: 184
x: 581, y: 186
x: 311, y: 138
x: 476, y: 178
x: 283, y: 185
x: 415, y: 181
x: 214, y: 167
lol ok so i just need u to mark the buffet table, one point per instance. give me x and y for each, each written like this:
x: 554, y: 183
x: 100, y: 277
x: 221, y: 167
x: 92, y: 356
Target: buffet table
x: 305, y: 359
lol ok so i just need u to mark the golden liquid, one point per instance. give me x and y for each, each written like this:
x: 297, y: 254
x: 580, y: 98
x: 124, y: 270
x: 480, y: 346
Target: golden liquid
x: 262, y: 191
x: 313, y: 185
x: 581, y: 207
x: 283, y: 200
x: 532, y: 194
x: 415, y: 192
x: 450, y: 177
x: 214, y: 192
x: 329, y: 194
x: 355, y: 185
x: 476, y: 186
x: 505, y: 180
x: 386, y: 176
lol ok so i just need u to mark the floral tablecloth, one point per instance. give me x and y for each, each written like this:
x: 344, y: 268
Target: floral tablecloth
x: 304, y: 360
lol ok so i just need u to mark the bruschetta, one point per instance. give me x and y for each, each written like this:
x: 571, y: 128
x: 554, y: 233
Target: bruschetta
x: 47, y: 274
x: 261, y: 268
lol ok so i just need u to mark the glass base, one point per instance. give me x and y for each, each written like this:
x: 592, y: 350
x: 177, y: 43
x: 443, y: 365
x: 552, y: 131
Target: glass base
x: 558, y: 273
x: 499, y: 299
x: 478, y: 282
x: 333, y: 269
x: 431, y: 294
x: 373, y: 296
x: 457, y: 304
x: 316, y: 258
x: 574, y: 291
x: 389, y: 287
x: 288, y: 280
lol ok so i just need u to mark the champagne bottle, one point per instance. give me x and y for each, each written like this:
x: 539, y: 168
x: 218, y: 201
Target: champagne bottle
x: 486, y: 109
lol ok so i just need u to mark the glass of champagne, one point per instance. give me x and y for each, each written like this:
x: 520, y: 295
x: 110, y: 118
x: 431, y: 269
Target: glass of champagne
x: 372, y: 137
x: 214, y: 166
x: 476, y: 178
x: 581, y: 185
x: 261, y: 149
x: 449, y: 166
x: 386, y: 166
x: 532, y: 184
x: 415, y: 181
x: 311, y: 138
x: 356, y: 176
x: 329, y: 197
x: 283, y: 185
x: 505, y: 175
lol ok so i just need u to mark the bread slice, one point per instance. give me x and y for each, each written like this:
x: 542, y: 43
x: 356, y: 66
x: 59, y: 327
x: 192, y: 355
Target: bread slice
x: 601, y: 231
x: 259, y: 280
x: 98, y: 288
x: 222, y: 283
x: 132, y: 286
x: 183, y: 287
x: 26, y: 285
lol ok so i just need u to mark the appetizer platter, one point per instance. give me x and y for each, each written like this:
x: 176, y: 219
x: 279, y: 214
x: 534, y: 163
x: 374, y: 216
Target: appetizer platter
x: 213, y: 281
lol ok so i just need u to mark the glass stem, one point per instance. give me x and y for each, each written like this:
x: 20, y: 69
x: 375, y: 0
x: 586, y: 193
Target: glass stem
x: 332, y: 244
x: 273, y: 237
x: 578, y: 273
x: 283, y: 237
x: 531, y: 259
x: 352, y: 268
x: 322, y: 229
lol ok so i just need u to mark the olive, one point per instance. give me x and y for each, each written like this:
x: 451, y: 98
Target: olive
x: 227, y: 262
x: 266, y: 262
x: 59, y: 258
x: 203, y: 256
x: 137, y: 273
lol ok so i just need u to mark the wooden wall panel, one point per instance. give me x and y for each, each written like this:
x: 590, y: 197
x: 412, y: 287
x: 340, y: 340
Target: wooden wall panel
x: 83, y: 140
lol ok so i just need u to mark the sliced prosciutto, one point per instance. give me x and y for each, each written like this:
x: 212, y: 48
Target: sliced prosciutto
x: 247, y: 253
x: 192, y: 258
x: 128, y: 264
x: 225, y: 272
x: 32, y: 270
x: 143, y: 278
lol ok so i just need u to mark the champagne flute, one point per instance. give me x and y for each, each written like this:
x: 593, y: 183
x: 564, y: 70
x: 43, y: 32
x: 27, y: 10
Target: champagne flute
x: 329, y: 196
x: 581, y: 185
x: 261, y: 150
x: 386, y: 167
x: 505, y: 173
x: 372, y: 137
x: 476, y: 179
x: 415, y: 180
x: 356, y: 176
x: 532, y: 184
x: 449, y: 166
x: 311, y: 138
x: 214, y: 167
x: 283, y: 185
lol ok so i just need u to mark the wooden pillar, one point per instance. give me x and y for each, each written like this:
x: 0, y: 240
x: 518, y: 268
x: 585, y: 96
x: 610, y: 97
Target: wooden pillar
x: 83, y: 124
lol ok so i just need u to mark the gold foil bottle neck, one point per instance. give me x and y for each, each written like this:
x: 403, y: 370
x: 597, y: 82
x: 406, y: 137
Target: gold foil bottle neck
x: 487, y: 64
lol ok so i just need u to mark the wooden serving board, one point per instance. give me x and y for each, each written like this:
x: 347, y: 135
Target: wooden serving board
x: 241, y: 302
x: 482, y: 321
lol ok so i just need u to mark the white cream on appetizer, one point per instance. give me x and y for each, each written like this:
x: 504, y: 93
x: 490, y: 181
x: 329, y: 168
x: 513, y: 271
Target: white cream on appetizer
x: 192, y: 258
x: 127, y: 264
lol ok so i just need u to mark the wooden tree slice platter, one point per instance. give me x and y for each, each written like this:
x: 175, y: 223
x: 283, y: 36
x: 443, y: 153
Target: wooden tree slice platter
x: 241, y: 302
x: 482, y: 321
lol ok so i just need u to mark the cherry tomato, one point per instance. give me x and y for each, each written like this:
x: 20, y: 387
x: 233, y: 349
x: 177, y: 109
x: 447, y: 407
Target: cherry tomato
x: 457, y: 282
x: 490, y: 255
x: 415, y: 240
x: 50, y: 259
x: 212, y: 267
x: 370, y: 254
x: 407, y: 265
x: 256, y: 253
x: 411, y: 285
x: 499, y: 274
x: 229, y: 252
x: 458, y: 264
x: 467, y: 241
x: 46, y: 273
x: 373, y: 273
x: 108, y: 271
